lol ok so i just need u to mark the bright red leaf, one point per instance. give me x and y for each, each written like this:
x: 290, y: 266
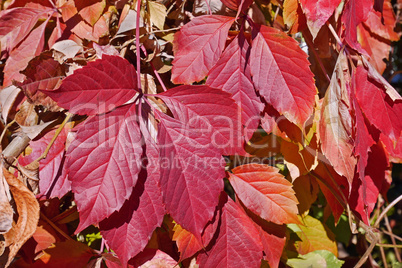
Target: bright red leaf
x: 103, y: 164
x: 317, y: 13
x: 265, y: 192
x: 355, y: 12
x: 128, y: 230
x: 198, y: 46
x: 281, y: 74
x: 238, y: 243
x: 191, y: 174
x: 377, y: 106
x: 232, y: 74
x: 98, y: 87
x: 210, y: 111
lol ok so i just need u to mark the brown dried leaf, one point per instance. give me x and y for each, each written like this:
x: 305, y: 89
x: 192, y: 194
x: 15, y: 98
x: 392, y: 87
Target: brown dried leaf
x: 28, y: 214
x: 27, y: 115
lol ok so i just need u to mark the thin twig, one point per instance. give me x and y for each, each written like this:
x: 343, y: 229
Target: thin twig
x: 368, y: 251
x: 338, y: 40
x: 398, y: 256
x: 393, y: 203
x: 384, y: 259
x: 392, y: 234
x: 5, y: 130
x: 56, y: 134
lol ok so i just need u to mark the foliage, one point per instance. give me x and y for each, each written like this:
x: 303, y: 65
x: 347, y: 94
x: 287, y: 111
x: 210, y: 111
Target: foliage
x: 282, y: 128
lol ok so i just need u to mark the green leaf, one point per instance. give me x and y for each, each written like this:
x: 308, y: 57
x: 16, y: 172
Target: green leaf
x: 318, y: 258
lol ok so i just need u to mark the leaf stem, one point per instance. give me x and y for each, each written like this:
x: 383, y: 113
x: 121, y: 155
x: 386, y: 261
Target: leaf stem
x: 155, y: 71
x: 209, y: 8
x: 56, y: 134
x: 137, y: 45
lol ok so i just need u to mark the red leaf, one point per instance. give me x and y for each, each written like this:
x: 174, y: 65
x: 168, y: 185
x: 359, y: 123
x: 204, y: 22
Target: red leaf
x: 48, y: 167
x: 198, y: 46
x: 98, y: 87
x: 355, y: 12
x: 281, y: 74
x: 104, y: 164
x: 32, y: 46
x: 235, y: 4
x: 377, y: 106
x: 188, y: 244
x: 365, y: 194
x: 335, y: 125
x: 317, y: 13
x: 377, y: 48
x: 15, y: 25
x: 232, y: 74
x: 363, y: 142
x: 191, y: 174
x: 127, y: 231
x: 210, y: 111
x: 42, y: 73
x: 382, y: 24
x: 238, y: 243
x: 265, y: 192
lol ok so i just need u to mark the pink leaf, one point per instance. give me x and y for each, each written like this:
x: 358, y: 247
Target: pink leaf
x: 191, y: 174
x: 104, y: 162
x: 50, y: 166
x: 212, y: 109
x: 265, y: 192
x: 98, y: 87
x: 232, y: 74
x: 281, y: 74
x: 16, y: 24
x: 32, y: 46
x: 198, y: 46
x: 238, y: 243
x: 377, y: 106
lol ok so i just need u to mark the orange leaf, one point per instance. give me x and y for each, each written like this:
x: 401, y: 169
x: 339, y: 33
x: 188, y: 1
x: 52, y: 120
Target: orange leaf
x: 265, y: 192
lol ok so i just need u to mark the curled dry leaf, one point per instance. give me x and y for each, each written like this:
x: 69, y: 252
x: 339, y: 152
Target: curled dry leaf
x: 28, y: 214
x: 7, y: 98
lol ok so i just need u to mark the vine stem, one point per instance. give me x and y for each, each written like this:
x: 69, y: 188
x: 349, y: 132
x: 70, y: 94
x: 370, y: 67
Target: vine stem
x: 56, y: 134
x: 384, y: 212
x: 137, y: 45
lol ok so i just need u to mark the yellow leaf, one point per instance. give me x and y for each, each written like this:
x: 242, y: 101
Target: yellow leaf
x: 157, y: 14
